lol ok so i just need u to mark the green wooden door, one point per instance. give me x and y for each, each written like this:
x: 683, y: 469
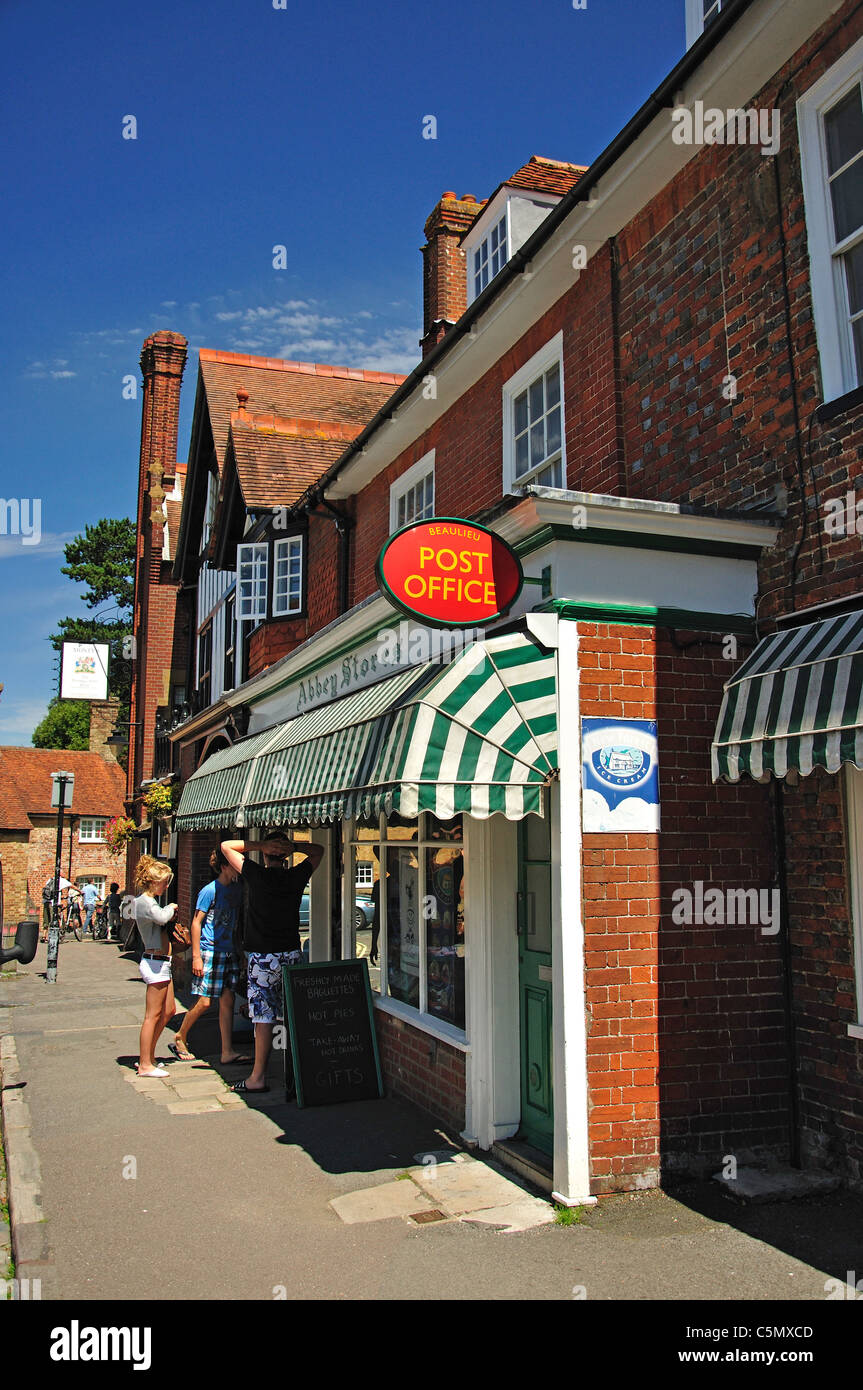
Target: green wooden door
x: 534, y: 982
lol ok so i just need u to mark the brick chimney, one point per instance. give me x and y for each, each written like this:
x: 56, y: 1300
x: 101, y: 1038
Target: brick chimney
x: 103, y: 718
x: 444, y: 272
x: 163, y: 359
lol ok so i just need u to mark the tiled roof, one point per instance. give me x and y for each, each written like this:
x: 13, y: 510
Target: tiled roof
x: 100, y: 786
x: 12, y: 813
x: 276, y: 465
x: 541, y: 175
x: 306, y: 390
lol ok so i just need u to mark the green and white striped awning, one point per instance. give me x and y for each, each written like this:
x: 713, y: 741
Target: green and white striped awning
x: 795, y: 704
x: 477, y: 736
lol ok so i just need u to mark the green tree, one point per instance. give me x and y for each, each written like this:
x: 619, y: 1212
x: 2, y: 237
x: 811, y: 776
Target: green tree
x: 66, y: 725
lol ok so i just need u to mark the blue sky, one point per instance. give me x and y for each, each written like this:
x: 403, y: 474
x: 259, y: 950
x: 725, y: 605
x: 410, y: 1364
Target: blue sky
x: 255, y: 126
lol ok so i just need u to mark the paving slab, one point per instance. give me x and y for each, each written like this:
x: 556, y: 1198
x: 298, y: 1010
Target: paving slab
x: 193, y: 1107
x: 776, y: 1184
x: 390, y: 1199
x: 193, y: 1090
x: 517, y: 1216
x: 467, y: 1186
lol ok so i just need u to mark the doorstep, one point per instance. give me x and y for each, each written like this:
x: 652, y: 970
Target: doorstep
x: 528, y: 1162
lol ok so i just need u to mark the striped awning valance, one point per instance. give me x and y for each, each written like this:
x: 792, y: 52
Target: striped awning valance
x: 795, y: 704
x: 477, y: 736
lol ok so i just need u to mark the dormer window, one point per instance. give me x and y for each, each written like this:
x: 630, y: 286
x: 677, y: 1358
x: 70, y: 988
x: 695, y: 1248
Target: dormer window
x: 700, y: 14
x: 501, y: 229
x: 489, y: 257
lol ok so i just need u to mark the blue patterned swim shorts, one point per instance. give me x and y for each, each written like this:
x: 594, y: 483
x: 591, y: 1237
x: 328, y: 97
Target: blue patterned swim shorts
x: 265, y: 984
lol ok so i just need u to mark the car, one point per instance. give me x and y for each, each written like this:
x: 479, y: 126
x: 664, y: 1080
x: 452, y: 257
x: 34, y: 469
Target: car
x: 364, y: 912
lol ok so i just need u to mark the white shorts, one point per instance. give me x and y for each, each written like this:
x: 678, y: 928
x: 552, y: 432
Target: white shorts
x: 155, y: 972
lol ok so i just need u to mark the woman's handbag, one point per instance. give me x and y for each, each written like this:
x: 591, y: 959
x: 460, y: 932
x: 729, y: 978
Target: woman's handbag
x: 179, y: 938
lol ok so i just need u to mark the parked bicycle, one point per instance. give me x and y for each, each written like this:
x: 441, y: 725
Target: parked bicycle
x: 99, y: 924
x: 74, y: 921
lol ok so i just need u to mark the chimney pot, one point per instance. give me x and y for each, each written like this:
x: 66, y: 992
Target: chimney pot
x: 243, y: 399
x: 468, y: 198
x: 449, y: 194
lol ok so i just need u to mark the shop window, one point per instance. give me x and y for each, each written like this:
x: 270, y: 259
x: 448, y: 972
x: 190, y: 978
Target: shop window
x: 412, y: 495
x: 415, y: 939
x: 92, y: 830
x: 533, y: 449
x: 830, y: 117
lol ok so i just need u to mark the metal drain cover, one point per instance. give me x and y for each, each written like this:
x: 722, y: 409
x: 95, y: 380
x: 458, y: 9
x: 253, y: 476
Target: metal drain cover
x: 421, y: 1217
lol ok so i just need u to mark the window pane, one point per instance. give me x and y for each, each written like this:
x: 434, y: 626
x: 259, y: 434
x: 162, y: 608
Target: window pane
x: 521, y: 460
x: 844, y: 130
x: 854, y: 270
x: 847, y: 193
x: 400, y: 829
x: 537, y: 444
x: 536, y: 400
x: 520, y: 408
x: 403, y: 925
x: 858, y: 348
x: 444, y: 912
x: 553, y: 431
x: 552, y: 387
x: 367, y: 914
x: 443, y: 829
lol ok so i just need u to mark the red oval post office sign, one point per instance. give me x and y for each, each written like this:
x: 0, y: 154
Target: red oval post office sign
x: 450, y: 572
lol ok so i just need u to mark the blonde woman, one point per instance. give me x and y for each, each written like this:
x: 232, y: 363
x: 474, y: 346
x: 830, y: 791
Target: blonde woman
x: 151, y: 881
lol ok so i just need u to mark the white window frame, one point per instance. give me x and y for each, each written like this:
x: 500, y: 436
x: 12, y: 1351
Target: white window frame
x: 256, y: 556
x: 695, y: 18
x: 285, y: 546
x: 832, y: 329
x: 405, y: 484
x: 364, y: 882
x: 854, y: 840
x: 547, y: 356
x: 97, y: 837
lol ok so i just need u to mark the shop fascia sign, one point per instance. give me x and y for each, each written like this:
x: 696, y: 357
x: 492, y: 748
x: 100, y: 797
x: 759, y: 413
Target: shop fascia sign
x: 449, y: 572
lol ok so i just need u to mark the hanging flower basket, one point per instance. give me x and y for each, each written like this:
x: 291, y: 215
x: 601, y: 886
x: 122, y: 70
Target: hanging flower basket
x: 118, y: 833
x: 161, y: 801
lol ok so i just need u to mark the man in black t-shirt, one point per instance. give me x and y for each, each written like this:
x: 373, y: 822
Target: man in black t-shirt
x: 272, y: 932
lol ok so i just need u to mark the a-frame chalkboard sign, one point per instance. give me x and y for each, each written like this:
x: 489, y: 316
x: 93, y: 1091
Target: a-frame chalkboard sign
x: 329, y: 1012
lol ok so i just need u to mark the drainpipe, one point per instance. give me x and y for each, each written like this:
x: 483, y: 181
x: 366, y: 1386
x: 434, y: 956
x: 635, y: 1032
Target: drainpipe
x: 787, y: 976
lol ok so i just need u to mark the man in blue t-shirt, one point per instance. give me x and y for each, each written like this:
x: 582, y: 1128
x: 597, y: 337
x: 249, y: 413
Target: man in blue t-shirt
x: 91, y: 898
x: 215, y: 964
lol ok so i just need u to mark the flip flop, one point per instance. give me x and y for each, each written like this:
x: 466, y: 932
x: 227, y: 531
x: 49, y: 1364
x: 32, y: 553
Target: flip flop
x: 243, y: 1090
x: 181, y: 1056
x: 232, y: 1061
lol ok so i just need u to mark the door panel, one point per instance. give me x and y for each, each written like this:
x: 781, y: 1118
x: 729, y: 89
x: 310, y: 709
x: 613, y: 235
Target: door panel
x: 534, y: 970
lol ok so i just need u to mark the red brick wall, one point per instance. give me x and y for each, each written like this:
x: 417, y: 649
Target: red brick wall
x: 829, y: 1063
x: 686, y: 1054
x: 427, y: 1072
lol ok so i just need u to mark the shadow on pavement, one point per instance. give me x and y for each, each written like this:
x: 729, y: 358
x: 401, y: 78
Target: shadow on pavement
x: 825, y: 1232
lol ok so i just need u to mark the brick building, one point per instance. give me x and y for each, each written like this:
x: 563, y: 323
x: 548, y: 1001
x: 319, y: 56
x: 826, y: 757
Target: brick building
x: 28, y: 825
x: 649, y: 386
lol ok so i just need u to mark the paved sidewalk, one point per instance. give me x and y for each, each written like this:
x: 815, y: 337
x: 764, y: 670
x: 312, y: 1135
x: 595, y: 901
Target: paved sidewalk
x: 207, y: 1195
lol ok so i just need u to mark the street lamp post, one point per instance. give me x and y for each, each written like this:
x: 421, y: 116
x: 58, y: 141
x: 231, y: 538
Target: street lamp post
x: 60, y: 780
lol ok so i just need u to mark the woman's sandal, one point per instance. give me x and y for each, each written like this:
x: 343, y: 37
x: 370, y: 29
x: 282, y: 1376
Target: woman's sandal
x: 242, y: 1089
x: 184, y: 1056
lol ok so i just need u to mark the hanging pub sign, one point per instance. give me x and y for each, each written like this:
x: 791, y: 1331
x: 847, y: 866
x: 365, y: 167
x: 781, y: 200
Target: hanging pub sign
x: 449, y: 572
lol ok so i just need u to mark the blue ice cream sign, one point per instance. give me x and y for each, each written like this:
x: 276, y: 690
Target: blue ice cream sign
x: 620, y: 775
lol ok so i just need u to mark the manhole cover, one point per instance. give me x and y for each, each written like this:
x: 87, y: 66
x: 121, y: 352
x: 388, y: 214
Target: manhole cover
x: 422, y: 1217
